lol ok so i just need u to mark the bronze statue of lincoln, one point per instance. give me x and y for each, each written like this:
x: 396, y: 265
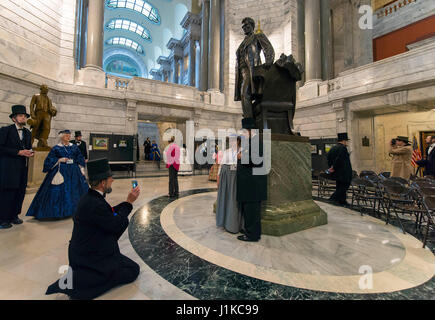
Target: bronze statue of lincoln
x: 248, y: 86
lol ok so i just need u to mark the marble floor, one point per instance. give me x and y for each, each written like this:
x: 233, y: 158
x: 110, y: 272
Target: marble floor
x: 183, y: 255
x: 32, y: 253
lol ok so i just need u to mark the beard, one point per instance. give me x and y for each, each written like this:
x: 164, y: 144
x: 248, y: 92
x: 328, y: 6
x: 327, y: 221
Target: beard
x: 107, y: 190
x: 21, y: 123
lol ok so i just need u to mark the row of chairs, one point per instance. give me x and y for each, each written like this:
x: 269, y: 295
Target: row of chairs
x: 382, y: 193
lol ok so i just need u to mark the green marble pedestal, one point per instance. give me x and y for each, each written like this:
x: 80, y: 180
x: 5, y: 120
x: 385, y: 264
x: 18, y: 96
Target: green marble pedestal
x: 289, y: 207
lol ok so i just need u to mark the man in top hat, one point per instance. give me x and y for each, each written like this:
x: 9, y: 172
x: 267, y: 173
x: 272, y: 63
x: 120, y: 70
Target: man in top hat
x: 96, y: 264
x: 15, y: 149
x: 401, y: 153
x: 81, y: 144
x: 340, y: 167
x: 251, y: 189
x: 429, y: 162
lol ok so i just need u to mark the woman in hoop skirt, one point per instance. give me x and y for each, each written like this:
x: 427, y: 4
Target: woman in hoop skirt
x: 55, y: 200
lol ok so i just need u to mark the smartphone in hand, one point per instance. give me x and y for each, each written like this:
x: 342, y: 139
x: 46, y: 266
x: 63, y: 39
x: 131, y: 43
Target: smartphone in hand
x: 134, y: 183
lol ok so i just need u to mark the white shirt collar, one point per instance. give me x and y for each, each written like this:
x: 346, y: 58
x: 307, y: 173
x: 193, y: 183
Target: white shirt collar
x: 16, y: 126
x: 60, y: 144
x: 100, y: 192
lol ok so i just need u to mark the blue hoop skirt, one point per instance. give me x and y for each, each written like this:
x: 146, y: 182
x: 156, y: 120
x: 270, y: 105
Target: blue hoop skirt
x: 59, y: 201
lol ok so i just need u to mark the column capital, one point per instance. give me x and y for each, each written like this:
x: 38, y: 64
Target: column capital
x: 176, y: 47
x: 165, y: 63
x: 192, y: 24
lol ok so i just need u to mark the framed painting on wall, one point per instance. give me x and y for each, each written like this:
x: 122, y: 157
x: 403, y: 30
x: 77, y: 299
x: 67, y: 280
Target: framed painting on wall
x: 99, y: 143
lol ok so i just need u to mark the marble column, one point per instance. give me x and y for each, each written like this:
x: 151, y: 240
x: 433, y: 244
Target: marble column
x: 214, y: 46
x: 191, y: 23
x: 94, y: 46
x: 192, y: 63
x: 326, y: 29
x: 197, y: 64
x: 181, y: 68
x: 300, y: 27
x: 174, y: 70
x: 205, y: 21
x: 313, y: 58
x: 176, y: 55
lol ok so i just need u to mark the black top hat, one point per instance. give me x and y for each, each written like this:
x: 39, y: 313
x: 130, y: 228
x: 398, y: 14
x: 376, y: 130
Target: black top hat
x: 19, y: 109
x: 99, y: 169
x: 248, y: 123
x: 65, y: 131
x: 342, y: 136
x: 404, y: 139
x: 78, y: 134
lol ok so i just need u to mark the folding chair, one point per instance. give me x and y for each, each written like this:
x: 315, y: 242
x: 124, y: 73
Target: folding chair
x: 326, y: 185
x: 429, y: 205
x: 367, y: 192
x: 397, y: 198
x: 385, y: 175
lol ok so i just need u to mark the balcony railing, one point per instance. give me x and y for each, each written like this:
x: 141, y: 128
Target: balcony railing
x: 116, y: 82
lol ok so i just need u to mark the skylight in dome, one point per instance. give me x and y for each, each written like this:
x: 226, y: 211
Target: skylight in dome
x: 140, y: 6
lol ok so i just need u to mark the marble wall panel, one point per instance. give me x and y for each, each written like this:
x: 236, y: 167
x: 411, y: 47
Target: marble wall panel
x: 38, y: 36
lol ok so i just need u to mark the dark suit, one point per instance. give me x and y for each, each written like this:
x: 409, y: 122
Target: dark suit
x: 94, y: 255
x: 13, y: 171
x: 338, y: 158
x: 428, y: 163
x: 147, y: 145
x: 251, y: 190
x: 82, y: 146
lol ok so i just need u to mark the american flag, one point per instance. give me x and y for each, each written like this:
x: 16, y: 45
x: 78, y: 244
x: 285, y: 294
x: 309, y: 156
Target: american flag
x: 416, y: 154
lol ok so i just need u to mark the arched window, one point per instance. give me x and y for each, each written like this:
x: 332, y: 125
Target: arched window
x: 121, y: 41
x: 140, y: 6
x: 130, y: 26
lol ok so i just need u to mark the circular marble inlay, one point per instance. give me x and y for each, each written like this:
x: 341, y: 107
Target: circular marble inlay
x: 340, y: 248
x: 351, y: 254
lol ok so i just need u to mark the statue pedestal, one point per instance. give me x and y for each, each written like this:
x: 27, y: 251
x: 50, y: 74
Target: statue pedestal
x: 36, y: 176
x: 290, y: 207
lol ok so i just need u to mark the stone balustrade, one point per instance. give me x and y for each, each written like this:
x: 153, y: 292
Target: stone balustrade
x: 116, y: 82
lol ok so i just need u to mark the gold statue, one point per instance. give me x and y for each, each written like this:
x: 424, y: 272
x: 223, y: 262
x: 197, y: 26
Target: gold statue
x: 41, y: 112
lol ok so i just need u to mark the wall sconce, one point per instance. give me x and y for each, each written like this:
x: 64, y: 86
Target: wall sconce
x: 196, y: 124
x: 340, y: 119
x: 129, y: 118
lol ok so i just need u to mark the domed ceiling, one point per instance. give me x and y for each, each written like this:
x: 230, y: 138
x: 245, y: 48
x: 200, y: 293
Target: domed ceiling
x: 136, y: 33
